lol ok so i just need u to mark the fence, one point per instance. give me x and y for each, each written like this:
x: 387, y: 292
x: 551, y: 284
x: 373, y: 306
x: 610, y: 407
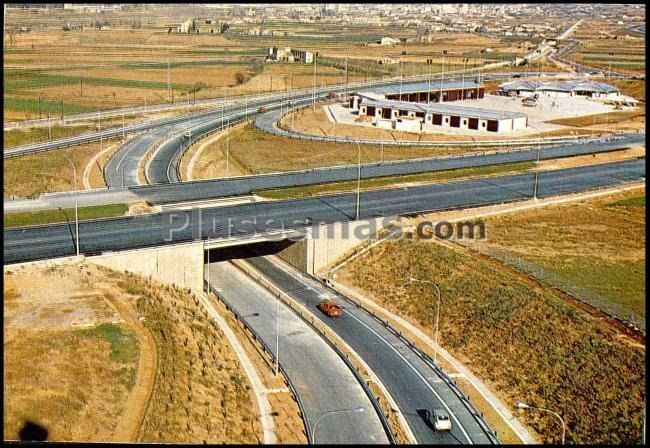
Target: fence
x: 584, y: 295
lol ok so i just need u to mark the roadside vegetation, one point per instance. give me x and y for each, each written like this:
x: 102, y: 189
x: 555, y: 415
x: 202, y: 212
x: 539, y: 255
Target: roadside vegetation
x: 273, y: 153
x: 63, y: 215
x: 50, y: 171
x: 337, y: 187
x: 597, y: 245
x: 201, y: 394
x: 70, y: 363
x: 524, y: 341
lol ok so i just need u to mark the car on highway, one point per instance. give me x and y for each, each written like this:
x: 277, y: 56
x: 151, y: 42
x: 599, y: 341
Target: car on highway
x: 261, y: 109
x: 330, y: 308
x: 438, y: 419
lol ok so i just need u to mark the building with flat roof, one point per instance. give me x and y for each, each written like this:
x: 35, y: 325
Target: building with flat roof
x: 407, y: 116
x: 287, y: 54
x: 561, y: 89
x: 422, y: 92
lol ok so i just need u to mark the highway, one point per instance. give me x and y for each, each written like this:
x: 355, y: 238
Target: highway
x: 245, y: 220
x: 414, y: 383
x: 253, y: 101
x: 321, y: 378
x: 242, y: 185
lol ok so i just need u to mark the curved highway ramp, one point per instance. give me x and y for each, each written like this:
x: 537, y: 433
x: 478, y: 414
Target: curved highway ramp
x: 411, y: 378
x: 336, y: 406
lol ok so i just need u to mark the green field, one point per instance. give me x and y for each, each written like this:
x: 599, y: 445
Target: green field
x: 63, y: 215
x: 54, y: 107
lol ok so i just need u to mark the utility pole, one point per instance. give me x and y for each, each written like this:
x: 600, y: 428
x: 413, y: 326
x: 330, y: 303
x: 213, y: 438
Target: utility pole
x: 277, y: 338
x: 82, y: 85
x: 313, y: 94
x: 440, y: 100
x: 358, y: 182
x: 122, y: 126
x: 228, y: 157
x: 49, y: 126
x: 169, y: 82
x: 61, y: 111
x: 99, y: 119
x: 39, y: 103
x: 346, y: 79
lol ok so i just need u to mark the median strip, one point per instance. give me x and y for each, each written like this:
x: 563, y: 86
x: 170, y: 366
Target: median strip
x: 21, y: 219
x: 389, y: 181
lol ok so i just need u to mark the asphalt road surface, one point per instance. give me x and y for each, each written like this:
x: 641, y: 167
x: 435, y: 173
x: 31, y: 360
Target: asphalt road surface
x: 244, y: 220
x: 216, y: 188
x: 412, y: 382
x: 323, y: 381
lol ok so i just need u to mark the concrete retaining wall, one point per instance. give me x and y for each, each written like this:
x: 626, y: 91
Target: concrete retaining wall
x: 180, y: 264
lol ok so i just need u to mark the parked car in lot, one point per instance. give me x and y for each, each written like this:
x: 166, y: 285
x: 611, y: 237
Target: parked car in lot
x: 330, y: 308
x: 438, y: 419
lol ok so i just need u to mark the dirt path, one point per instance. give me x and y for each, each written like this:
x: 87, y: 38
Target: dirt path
x: 136, y: 405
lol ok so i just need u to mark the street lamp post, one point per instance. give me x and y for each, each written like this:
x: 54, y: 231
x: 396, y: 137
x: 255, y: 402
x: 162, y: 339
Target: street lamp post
x: 522, y: 405
x: 76, y: 200
x: 437, y: 314
x: 277, y: 338
x: 313, y: 433
x: 358, y: 182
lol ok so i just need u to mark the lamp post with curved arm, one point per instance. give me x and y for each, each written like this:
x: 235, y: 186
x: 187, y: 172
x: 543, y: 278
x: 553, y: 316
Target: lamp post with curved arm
x: 76, y: 201
x: 435, y: 353
x: 522, y: 405
x: 358, y: 182
x: 340, y: 411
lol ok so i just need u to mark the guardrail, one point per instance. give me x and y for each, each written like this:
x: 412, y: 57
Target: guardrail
x: 279, y: 130
x: 285, y: 298
x: 426, y: 358
x: 268, y: 351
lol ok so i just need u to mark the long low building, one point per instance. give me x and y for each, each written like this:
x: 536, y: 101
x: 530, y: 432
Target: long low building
x: 422, y: 92
x: 410, y: 117
x: 559, y: 89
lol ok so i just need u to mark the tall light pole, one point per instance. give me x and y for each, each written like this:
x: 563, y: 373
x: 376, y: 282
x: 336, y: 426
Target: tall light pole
x: 341, y: 411
x: 277, y: 338
x: 76, y: 200
x: 522, y: 405
x: 358, y: 182
x: 437, y: 314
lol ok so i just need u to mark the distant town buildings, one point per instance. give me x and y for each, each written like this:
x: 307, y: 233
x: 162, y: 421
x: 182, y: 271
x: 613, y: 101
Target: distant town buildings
x: 286, y: 54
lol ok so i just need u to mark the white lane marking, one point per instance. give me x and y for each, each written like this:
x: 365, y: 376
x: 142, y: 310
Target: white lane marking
x: 396, y: 351
x: 418, y: 374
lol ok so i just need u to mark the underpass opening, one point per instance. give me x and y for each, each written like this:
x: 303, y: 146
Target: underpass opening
x: 284, y: 248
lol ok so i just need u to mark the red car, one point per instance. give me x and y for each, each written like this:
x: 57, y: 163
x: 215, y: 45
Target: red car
x: 330, y: 308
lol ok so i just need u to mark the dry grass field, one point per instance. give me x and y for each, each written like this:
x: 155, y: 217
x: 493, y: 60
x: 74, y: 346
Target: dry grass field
x: 524, y: 341
x: 71, y: 360
x: 273, y: 153
x: 201, y: 395
x: 598, y: 245
x: 49, y: 171
x: 77, y: 357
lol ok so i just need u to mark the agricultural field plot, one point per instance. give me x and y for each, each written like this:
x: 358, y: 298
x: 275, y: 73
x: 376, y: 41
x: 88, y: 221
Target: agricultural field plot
x: 606, y: 45
x: 597, y: 245
x: 523, y: 341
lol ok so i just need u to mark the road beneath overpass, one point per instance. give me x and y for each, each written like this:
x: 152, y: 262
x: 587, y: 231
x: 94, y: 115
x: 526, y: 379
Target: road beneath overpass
x: 246, y: 220
x: 413, y: 381
x: 326, y: 385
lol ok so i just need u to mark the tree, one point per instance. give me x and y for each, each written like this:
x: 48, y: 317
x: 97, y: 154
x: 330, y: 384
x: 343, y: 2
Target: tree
x: 240, y: 78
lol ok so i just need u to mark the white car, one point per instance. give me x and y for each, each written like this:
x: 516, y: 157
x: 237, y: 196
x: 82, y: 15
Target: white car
x: 439, y: 419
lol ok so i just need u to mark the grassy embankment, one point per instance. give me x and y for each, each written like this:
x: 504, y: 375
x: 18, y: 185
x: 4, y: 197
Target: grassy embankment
x: 596, y: 245
x: 49, y: 171
x: 525, y: 341
x: 273, y: 153
x: 337, y: 187
x: 63, y: 215
x: 201, y: 394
